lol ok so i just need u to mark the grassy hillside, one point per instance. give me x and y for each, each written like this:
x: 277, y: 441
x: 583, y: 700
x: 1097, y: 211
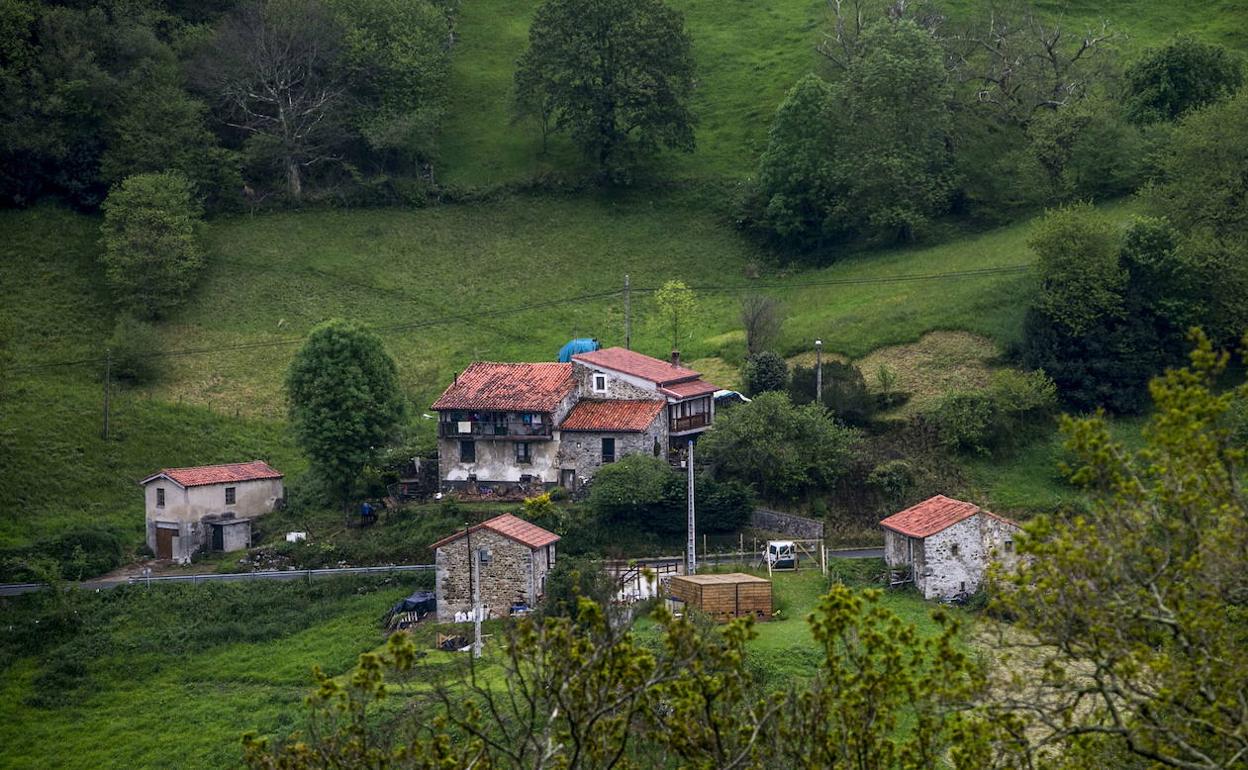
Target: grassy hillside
x: 444, y: 286
x: 748, y: 55
x: 173, y: 676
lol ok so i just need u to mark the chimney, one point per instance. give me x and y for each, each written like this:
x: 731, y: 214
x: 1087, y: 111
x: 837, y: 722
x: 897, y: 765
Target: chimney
x: 455, y: 379
x: 675, y: 358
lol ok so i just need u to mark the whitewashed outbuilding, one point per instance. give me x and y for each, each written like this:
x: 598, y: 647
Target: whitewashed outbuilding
x: 946, y: 545
x: 207, y: 507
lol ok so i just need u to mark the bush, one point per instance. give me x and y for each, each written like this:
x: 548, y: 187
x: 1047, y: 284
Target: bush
x: 572, y: 578
x: 783, y: 451
x: 638, y: 491
x: 765, y: 372
x: 133, y: 346
x: 893, y: 479
x: 1006, y: 413
x: 844, y: 391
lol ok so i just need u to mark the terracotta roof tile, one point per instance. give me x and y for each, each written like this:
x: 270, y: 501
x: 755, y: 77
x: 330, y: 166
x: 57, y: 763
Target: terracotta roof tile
x: 197, y: 476
x: 507, y: 525
x: 613, y: 415
x: 509, y: 387
x: 930, y: 516
x: 637, y: 364
x: 688, y: 389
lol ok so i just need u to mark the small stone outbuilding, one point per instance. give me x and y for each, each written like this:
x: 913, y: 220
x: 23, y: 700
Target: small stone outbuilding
x: 515, y: 556
x: 207, y: 506
x: 946, y: 545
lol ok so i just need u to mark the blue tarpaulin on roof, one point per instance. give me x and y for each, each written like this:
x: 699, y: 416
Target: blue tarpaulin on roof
x: 578, y: 345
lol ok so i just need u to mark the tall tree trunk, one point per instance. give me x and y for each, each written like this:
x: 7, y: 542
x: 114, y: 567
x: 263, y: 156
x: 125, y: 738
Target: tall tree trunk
x: 293, y: 183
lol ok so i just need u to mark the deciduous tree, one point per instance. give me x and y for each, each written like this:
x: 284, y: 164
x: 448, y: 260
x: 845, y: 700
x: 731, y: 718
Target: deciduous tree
x: 616, y: 75
x: 676, y: 303
x: 1132, y: 615
x: 1185, y: 74
x: 782, y: 450
x: 345, y: 401
x: 151, y: 245
x: 273, y: 70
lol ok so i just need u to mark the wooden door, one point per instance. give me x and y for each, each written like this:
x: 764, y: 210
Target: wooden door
x: 218, y: 538
x: 567, y: 479
x: 164, y: 542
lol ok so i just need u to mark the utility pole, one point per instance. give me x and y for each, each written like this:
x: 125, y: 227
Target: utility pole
x: 108, y: 373
x: 628, y: 314
x: 691, y: 556
x: 819, y: 372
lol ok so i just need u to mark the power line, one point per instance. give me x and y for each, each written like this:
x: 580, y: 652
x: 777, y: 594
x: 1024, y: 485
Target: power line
x: 476, y: 317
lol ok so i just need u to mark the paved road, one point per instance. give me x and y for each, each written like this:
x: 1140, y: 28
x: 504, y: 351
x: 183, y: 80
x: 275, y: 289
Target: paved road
x: 13, y: 589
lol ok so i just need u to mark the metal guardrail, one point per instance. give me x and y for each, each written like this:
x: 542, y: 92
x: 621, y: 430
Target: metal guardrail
x: 284, y: 574
x: 14, y: 589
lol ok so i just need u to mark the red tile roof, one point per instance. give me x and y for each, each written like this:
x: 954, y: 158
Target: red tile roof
x: 523, y: 532
x: 612, y: 416
x: 509, y: 387
x: 198, y: 476
x: 930, y: 516
x: 638, y: 365
x: 688, y: 389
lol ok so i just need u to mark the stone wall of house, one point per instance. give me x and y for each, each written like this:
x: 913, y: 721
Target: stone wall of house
x: 514, y: 573
x: 582, y: 450
x: 619, y: 386
x: 957, y: 558
x: 788, y: 524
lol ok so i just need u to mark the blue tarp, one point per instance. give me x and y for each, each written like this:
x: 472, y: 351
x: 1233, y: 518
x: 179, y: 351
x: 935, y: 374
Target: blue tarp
x: 578, y: 345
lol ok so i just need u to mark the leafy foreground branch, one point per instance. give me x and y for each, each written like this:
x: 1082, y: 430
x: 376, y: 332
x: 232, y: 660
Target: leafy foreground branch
x: 584, y: 694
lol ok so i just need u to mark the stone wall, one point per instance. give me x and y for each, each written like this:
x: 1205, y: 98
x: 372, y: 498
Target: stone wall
x: 957, y: 557
x: 619, y: 386
x: 798, y: 527
x: 582, y: 450
x: 515, y: 573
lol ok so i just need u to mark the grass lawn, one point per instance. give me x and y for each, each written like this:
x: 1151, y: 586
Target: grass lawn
x: 784, y: 648
x: 173, y: 676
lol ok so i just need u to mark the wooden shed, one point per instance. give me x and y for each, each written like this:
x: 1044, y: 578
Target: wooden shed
x: 724, y: 597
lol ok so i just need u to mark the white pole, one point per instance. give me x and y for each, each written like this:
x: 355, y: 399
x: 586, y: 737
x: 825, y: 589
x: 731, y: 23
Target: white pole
x: 819, y: 372
x: 691, y: 556
x: 476, y: 604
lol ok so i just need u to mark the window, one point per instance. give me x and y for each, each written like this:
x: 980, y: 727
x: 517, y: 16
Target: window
x: 608, y: 450
x: 1009, y: 546
x: 229, y: 495
x: 160, y: 497
x: 467, y: 452
x: 953, y: 549
x: 523, y: 454
x: 600, y: 382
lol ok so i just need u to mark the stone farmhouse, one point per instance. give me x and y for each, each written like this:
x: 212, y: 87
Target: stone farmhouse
x: 947, y: 545
x: 521, y: 427
x: 514, y: 557
x: 207, y: 507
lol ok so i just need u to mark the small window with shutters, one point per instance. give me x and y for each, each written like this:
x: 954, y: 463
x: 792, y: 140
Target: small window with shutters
x: 160, y: 497
x: 608, y: 450
x: 229, y: 495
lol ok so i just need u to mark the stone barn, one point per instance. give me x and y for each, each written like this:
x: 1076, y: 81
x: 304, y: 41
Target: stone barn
x: 946, y: 545
x: 207, y: 507
x: 515, y: 556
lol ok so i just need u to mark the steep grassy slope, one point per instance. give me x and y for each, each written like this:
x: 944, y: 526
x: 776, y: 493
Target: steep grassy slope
x: 748, y: 55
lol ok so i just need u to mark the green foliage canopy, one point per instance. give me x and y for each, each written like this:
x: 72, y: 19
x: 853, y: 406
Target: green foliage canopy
x: 782, y: 450
x: 151, y: 245
x: 765, y: 372
x: 616, y: 75
x: 1185, y: 74
x: 345, y: 401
